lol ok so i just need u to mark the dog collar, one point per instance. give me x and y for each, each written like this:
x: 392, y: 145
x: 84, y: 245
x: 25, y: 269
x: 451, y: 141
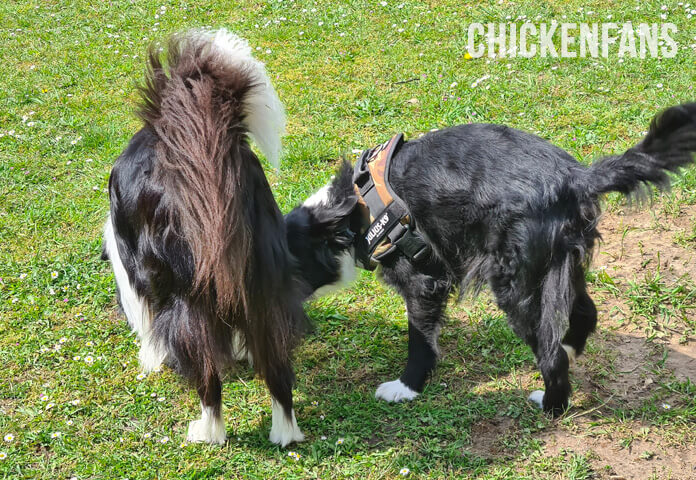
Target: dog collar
x: 391, y: 227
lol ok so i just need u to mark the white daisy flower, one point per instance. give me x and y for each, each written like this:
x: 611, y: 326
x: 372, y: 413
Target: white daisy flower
x: 9, y: 437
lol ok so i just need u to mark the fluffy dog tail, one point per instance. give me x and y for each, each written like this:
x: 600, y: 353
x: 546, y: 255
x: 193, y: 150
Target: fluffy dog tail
x: 669, y: 145
x: 202, y: 104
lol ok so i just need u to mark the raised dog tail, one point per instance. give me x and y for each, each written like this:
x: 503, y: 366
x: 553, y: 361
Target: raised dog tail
x: 203, y: 99
x: 669, y: 145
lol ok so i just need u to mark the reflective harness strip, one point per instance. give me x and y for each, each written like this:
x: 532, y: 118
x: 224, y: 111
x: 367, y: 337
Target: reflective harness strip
x: 391, y: 225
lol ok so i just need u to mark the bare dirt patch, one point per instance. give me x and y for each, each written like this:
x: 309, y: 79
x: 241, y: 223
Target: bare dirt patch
x: 488, y: 437
x: 682, y: 361
x: 636, y: 243
x: 642, y: 459
x: 640, y: 243
x: 630, y: 449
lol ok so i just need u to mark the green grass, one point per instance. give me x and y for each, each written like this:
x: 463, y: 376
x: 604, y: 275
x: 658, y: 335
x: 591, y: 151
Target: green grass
x: 346, y: 74
x: 665, y: 307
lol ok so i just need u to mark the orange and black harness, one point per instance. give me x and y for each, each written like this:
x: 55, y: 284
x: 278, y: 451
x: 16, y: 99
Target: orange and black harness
x: 391, y: 227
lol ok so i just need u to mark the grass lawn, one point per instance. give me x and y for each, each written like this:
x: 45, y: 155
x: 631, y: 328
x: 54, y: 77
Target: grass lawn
x: 72, y: 403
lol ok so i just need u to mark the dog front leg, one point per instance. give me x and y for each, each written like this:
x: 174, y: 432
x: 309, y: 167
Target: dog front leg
x: 422, y: 357
x: 424, y: 320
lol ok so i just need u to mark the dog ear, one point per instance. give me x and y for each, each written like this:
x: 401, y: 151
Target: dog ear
x: 330, y: 220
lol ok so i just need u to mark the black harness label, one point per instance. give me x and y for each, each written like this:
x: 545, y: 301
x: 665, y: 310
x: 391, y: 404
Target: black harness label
x: 376, y: 230
x: 383, y: 225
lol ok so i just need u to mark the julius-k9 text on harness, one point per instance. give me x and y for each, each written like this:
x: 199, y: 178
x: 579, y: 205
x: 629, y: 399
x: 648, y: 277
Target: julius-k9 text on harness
x: 391, y: 226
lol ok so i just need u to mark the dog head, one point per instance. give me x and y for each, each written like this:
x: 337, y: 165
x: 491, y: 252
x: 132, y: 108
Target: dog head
x: 322, y: 233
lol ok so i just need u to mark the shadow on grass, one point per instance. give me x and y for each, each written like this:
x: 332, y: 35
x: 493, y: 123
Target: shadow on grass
x: 342, y: 362
x: 473, y: 414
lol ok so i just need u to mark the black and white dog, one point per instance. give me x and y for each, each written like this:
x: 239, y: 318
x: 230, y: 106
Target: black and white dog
x: 496, y: 206
x: 197, y: 243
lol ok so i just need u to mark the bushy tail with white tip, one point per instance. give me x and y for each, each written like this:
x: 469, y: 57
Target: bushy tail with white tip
x: 202, y: 98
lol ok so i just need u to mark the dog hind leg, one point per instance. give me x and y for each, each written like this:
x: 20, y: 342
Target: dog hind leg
x: 211, y: 426
x: 284, y: 428
x: 583, y: 320
x: 135, y: 307
x: 557, y: 296
x: 554, y: 369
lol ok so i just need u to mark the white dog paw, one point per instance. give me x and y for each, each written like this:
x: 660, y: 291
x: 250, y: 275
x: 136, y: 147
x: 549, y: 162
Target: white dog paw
x: 537, y: 398
x: 395, y: 391
x: 284, y: 431
x: 207, y: 431
x: 284, y: 436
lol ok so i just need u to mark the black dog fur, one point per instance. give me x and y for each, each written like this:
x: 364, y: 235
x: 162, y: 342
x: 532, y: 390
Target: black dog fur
x: 500, y: 207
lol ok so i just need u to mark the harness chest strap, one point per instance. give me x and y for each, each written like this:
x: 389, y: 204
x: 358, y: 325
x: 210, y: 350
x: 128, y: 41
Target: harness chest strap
x: 391, y: 226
